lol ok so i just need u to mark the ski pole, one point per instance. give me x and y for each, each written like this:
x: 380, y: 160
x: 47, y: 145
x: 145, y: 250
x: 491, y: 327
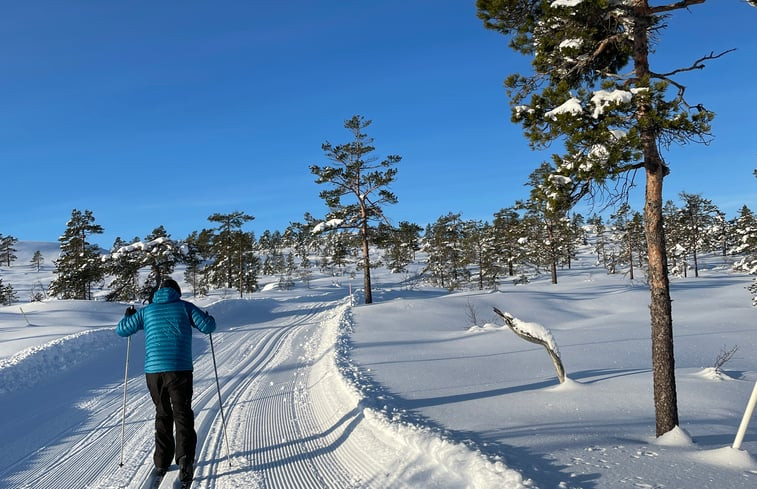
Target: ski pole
x: 745, y: 420
x: 123, y: 416
x: 220, y: 401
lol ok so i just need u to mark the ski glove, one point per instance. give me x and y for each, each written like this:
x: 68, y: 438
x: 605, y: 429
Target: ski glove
x: 130, y: 310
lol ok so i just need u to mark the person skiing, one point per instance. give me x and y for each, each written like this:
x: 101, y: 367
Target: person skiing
x: 167, y: 322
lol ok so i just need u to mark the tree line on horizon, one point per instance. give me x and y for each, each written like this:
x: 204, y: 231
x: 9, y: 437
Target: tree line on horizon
x: 518, y: 244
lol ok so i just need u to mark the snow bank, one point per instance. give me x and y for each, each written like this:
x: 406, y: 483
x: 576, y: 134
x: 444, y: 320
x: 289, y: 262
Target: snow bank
x: 457, y: 464
x: 32, y: 365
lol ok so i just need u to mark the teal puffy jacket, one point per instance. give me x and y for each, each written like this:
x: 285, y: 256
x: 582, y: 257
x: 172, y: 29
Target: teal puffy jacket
x: 167, y: 323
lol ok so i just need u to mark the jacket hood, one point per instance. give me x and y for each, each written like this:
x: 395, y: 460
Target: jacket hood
x: 165, y: 294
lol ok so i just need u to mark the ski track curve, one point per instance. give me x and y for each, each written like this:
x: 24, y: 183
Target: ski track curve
x: 292, y: 421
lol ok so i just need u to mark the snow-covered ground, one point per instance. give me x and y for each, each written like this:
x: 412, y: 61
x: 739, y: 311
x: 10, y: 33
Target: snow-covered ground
x: 406, y: 392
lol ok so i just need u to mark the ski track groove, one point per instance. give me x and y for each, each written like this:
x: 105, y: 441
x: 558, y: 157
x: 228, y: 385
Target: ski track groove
x: 286, y: 419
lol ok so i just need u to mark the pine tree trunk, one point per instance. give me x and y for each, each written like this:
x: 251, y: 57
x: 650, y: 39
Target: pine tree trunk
x: 696, y: 263
x: 630, y: 256
x: 366, y: 263
x: 663, y: 363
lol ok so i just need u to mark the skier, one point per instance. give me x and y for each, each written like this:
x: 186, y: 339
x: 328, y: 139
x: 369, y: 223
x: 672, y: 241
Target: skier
x: 167, y: 322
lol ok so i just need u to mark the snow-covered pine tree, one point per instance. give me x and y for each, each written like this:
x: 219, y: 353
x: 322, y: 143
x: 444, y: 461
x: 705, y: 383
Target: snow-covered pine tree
x: 548, y: 207
x: 508, y: 231
x: 446, y: 254
x: 601, y: 241
x: 160, y: 256
x: 745, y: 229
x: 399, y: 244
x: 124, y: 268
x: 697, y: 219
x: 480, y: 240
x: 722, y: 233
x: 628, y: 231
x: 196, y: 250
x: 79, y: 265
x: 593, y: 88
x: 234, y: 263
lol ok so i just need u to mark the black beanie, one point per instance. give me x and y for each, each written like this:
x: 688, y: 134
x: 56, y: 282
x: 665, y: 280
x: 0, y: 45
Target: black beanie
x: 169, y: 282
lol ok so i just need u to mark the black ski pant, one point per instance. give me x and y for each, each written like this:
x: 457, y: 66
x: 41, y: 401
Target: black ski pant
x: 171, y: 393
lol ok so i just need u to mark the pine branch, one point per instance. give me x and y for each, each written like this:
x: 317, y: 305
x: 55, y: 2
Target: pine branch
x: 675, y: 6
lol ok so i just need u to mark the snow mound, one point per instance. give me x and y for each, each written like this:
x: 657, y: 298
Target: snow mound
x: 32, y: 365
x: 727, y: 457
x: 566, y: 386
x: 486, y: 327
x: 711, y: 373
x: 677, y: 437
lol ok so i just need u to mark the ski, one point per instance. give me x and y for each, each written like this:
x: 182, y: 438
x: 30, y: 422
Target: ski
x: 156, y: 480
x: 179, y: 484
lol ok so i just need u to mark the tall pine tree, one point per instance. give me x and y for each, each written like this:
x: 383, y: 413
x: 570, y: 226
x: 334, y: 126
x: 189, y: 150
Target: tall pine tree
x: 593, y: 89
x: 355, y: 174
x: 79, y: 265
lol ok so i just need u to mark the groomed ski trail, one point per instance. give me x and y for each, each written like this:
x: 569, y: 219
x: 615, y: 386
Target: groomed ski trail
x: 292, y: 420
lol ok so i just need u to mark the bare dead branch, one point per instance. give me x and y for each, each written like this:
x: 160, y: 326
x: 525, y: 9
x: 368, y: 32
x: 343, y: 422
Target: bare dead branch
x: 675, y: 6
x: 532, y: 339
x: 696, y: 65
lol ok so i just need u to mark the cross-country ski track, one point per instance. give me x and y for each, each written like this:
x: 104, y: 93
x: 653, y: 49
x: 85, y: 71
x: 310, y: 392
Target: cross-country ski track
x: 293, y: 418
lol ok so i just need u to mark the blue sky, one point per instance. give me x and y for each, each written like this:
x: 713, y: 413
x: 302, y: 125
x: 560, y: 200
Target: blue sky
x: 163, y: 113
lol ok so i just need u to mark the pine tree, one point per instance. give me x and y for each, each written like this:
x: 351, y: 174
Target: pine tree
x: 7, y: 294
x: 124, y: 268
x: 697, y: 219
x: 234, y: 263
x: 722, y: 232
x: 676, y: 252
x: 547, y: 206
x: 357, y: 175
x: 7, y: 249
x: 745, y: 229
x: 601, y: 239
x: 79, y: 265
x: 629, y: 231
x: 594, y: 90
x: 399, y: 244
x: 161, y: 256
x: 447, y: 256
x: 37, y: 260
x: 196, y: 252
x: 480, y: 240
x: 508, y: 231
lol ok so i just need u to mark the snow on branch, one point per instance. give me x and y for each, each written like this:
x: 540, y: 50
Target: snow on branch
x: 572, y: 106
x: 145, y: 246
x: 565, y: 3
x: 327, y: 225
x: 538, y: 334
